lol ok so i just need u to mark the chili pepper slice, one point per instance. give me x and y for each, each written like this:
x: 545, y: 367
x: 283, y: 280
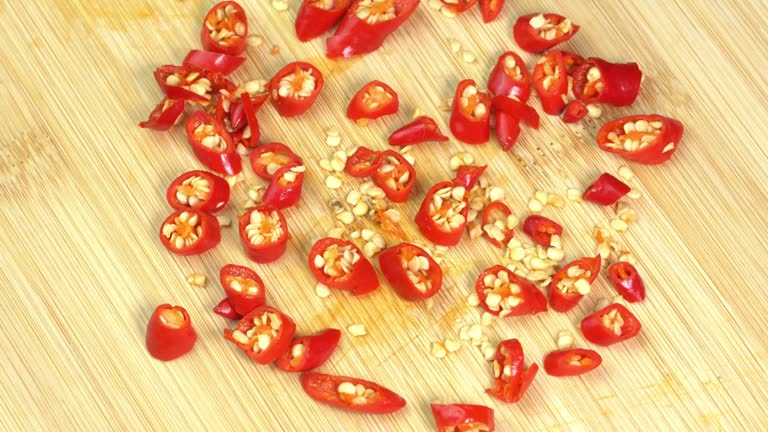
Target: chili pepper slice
x: 571, y: 362
x: 442, y: 217
x: 366, y: 25
x: 507, y: 130
x: 606, y: 190
x: 395, y: 176
x: 647, y: 139
x: 252, y: 131
x: 517, y: 109
x: 411, y: 271
x: 295, y: 87
x: 353, y: 394
x: 491, y: 9
x: 376, y: 99
x: 627, y: 281
x: 212, y: 144
x: 610, y: 325
x: 340, y: 264
x: 598, y: 81
x: 266, y: 160
x: 317, y: 17
x: 510, y: 77
x: 541, y: 229
x: 498, y: 223
x: 169, y: 333
x: 309, y: 352
x: 212, y: 61
x: 550, y: 81
x: 572, y: 62
x: 264, y: 233
x: 458, y: 6
x: 264, y: 334
x: 190, y: 232
x: 511, y: 377
x: 470, y: 114
x: 423, y: 129
x: 572, y: 282
x: 364, y: 162
x: 225, y: 29
x: 226, y: 310
x: 503, y: 293
x: 244, y: 288
x: 165, y: 115
x: 468, y: 175
x: 463, y: 417
x: 198, y: 190
x: 284, y: 189
x: 181, y: 82
x: 575, y: 111
x: 537, y: 33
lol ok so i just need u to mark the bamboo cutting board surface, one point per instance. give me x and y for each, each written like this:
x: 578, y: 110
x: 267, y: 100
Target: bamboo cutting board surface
x: 83, y: 198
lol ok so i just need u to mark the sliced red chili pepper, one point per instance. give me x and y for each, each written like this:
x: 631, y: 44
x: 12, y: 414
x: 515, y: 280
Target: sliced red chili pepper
x: 353, y: 394
x: 198, y: 190
x: 212, y: 61
x: 541, y: 229
x: 266, y: 160
x: 309, y: 352
x: 517, y: 109
x: 190, y: 232
x: 627, y: 281
x: 442, y: 217
x: 571, y: 362
x: 510, y: 77
x: 507, y: 130
x: 572, y: 282
x: 606, y: 190
x: 648, y: 139
x: 252, y: 131
x: 226, y: 310
x: 463, y: 417
x: 317, y: 17
x: 169, y: 333
x: 458, y: 6
x: 498, y: 223
x: 470, y: 114
x: 511, y: 377
x: 537, y: 33
x: 244, y: 288
x: 503, y: 293
x: 225, y: 29
x: 423, y: 129
x: 374, y: 100
x: 295, y: 87
x: 575, y: 111
x: 264, y: 233
x: 572, y: 62
x: 264, y: 334
x: 491, y: 9
x: 411, y: 271
x: 366, y: 25
x: 395, y: 176
x: 550, y: 81
x: 468, y: 175
x: 284, y: 189
x: 610, y: 325
x: 182, y: 82
x: 597, y: 81
x: 340, y: 264
x: 165, y: 115
x: 212, y: 144
x: 364, y: 162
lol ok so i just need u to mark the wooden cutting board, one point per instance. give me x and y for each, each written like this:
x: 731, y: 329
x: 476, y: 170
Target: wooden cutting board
x: 82, y: 197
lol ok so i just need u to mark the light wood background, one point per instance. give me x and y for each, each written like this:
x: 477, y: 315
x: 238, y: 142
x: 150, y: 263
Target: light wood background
x: 82, y: 197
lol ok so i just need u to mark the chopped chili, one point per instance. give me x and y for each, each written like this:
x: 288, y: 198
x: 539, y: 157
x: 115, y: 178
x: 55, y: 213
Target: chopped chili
x: 340, y: 264
x: 571, y: 362
x: 510, y: 77
x: 352, y: 394
x: 498, y: 223
x: 317, y: 17
x: 212, y: 144
x: 366, y: 25
x: 199, y: 190
x: 295, y: 87
x: 597, y: 81
x: 412, y: 272
x: 264, y: 334
x: 264, y: 233
x: 610, y: 325
x: 244, y: 288
x: 537, y: 33
x: 470, y: 114
x: 606, y: 190
x: 541, y: 229
x: 512, y: 379
x: 376, y: 99
x: 225, y: 29
x: 190, y: 232
x: 284, y: 190
x: 169, y: 333
x: 627, y: 281
x: 463, y: 418
x: 423, y: 129
x: 503, y: 293
x: 395, y: 176
x: 572, y: 282
x: 309, y: 352
x: 648, y: 139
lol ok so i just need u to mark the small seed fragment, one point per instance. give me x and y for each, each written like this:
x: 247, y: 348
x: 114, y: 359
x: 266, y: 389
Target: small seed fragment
x: 322, y: 291
x: 357, y: 330
x: 438, y: 350
x: 564, y: 339
x: 197, y: 280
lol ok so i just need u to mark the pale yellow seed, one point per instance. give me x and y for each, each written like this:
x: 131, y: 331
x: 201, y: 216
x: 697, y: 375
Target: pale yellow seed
x: 337, y: 232
x: 573, y: 195
x: 255, y: 40
x: 626, y: 173
x: 473, y: 300
x: 455, y: 46
x: 634, y: 194
x: 346, y: 217
x: 332, y: 182
x: 357, y: 330
x: 535, y: 206
x: 197, y: 280
x: 619, y: 225
x: 594, y: 111
x: 564, y: 339
x: 452, y: 345
x: 468, y: 57
x: 224, y: 220
x: 322, y: 291
x: 438, y: 350
x: 280, y: 5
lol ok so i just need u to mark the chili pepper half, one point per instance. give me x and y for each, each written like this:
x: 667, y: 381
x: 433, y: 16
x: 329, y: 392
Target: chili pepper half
x: 309, y: 352
x: 511, y: 377
x: 165, y: 115
x: 442, y: 217
x: 169, y: 333
x: 470, y: 114
x: 423, y: 129
x: 264, y: 233
x: 627, y: 281
x: 374, y: 100
x: 199, y: 190
x: 541, y: 229
x: 510, y: 77
x: 503, y: 293
x: 411, y: 272
x: 498, y: 223
x: 264, y: 334
x: 597, y: 81
x: 610, y: 325
x: 340, y: 264
x: 507, y: 130
x: 266, y: 160
x: 647, y: 139
x: 226, y: 310
x: 463, y: 417
x: 364, y: 162
x: 190, y: 232
x: 571, y: 362
x: 550, y: 81
x: 606, y: 190
x: 284, y: 189
x: 244, y: 288
x: 317, y: 17
x: 212, y: 144
x: 575, y: 111
x: 536, y: 33
x: 225, y: 29
x: 352, y: 394
x: 517, y: 110
x: 212, y: 61
x: 295, y: 87
x: 395, y: 176
x: 573, y: 282
x: 366, y: 25
x: 469, y: 175
x: 182, y: 82
x: 491, y: 9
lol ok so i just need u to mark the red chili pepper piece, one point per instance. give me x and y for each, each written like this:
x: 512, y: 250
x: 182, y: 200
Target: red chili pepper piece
x: 169, y: 333
x: 225, y: 29
x: 366, y: 25
x: 340, y: 264
x: 627, y: 281
x: 423, y: 129
x: 498, y: 227
x: 468, y: 175
x: 266, y: 160
x: 541, y: 229
x: 573, y: 282
x: 516, y: 109
x: 165, y: 115
x: 442, y: 217
x: 458, y: 6
x: 374, y: 100
x: 364, y: 162
x: 352, y: 394
x: 510, y: 77
x: 199, y: 190
x: 264, y: 334
x: 182, y: 82
x: 491, y: 9
x: 511, y: 377
x: 463, y: 417
x: 503, y: 293
x: 507, y: 130
x: 284, y: 189
x: 571, y: 362
x: 212, y: 61
x: 411, y: 272
x: 317, y: 17
x: 597, y: 81
x: 190, y: 232
x: 537, y: 33
x: 390, y: 222
x: 395, y: 176
x: 244, y: 288
x: 575, y: 111
x: 295, y: 87
x: 572, y: 62
x: 226, y: 310
x: 471, y: 114
x: 610, y: 325
x: 212, y: 144
x: 264, y: 233
x: 250, y: 105
x: 606, y: 190
x: 309, y: 352
x: 647, y: 139
x: 550, y: 81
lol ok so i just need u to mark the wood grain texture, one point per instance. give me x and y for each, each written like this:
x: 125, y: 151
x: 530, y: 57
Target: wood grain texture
x: 81, y: 200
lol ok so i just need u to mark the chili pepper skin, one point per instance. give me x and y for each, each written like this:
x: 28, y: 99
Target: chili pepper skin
x: 340, y: 264
x: 202, y: 128
x: 444, y: 234
x: 313, y: 20
x: 169, y: 333
x: 199, y: 190
x: 458, y: 417
x: 423, y: 129
x: 284, y: 190
x: 507, y: 130
x: 470, y: 114
x: 597, y: 81
x: 532, y: 39
x: 190, y: 232
x: 376, y: 99
x: 571, y: 362
x: 575, y: 111
x: 264, y: 233
x: 244, y: 289
x: 177, y: 81
x: 165, y: 115
x: 226, y: 310
x: 274, y: 154
x: 249, y: 107
x: 627, y: 281
x: 395, y: 176
x: 364, y: 162
x: 411, y: 272
x: 610, y: 325
x: 491, y: 9
x: 541, y: 229
x: 222, y: 63
x: 459, y: 6
x: 633, y: 144
x: 572, y: 62
x: 339, y: 391
x: 572, y: 282
x: 510, y: 77
x: 468, y: 175
x: 286, y: 98
x: 517, y: 110
x: 606, y: 190
x: 493, y: 213
x: 511, y: 377
x: 309, y: 352
x: 516, y: 295
x: 552, y: 65
x: 270, y: 325
x: 227, y: 15
x: 356, y: 36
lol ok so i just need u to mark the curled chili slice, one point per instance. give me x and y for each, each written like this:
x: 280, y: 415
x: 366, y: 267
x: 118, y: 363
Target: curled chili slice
x: 212, y: 144
x: 606, y: 190
x: 192, y: 84
x: 471, y: 114
x: 458, y: 6
x: 309, y: 352
x: 423, y: 129
x: 264, y: 334
x: 503, y: 293
x: 252, y: 131
x: 510, y: 77
x: 627, y: 281
x: 395, y: 176
x: 648, y: 139
x: 491, y: 9
x: 225, y: 309
x: 352, y: 394
x: 376, y: 99
x: 169, y: 333
x: 541, y: 229
x: 340, y: 264
x: 225, y: 29
x: 198, y: 190
x: 571, y: 362
x: 442, y: 217
x: 463, y: 417
x: 550, y: 81
x: 498, y: 223
x: 537, y: 33
x: 190, y: 232
x: 295, y: 87
x: 366, y: 25
x: 244, y: 288
x: 222, y: 63
x: 284, y: 189
x: 512, y: 379
x: 597, y: 81
x: 572, y: 282
x: 507, y: 130
x: 575, y: 111
x: 317, y: 17
x: 610, y: 325
x: 364, y: 162
x: 165, y: 115
x: 468, y: 175
x: 264, y: 233
x: 517, y: 110
x: 411, y: 271
x: 266, y: 160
